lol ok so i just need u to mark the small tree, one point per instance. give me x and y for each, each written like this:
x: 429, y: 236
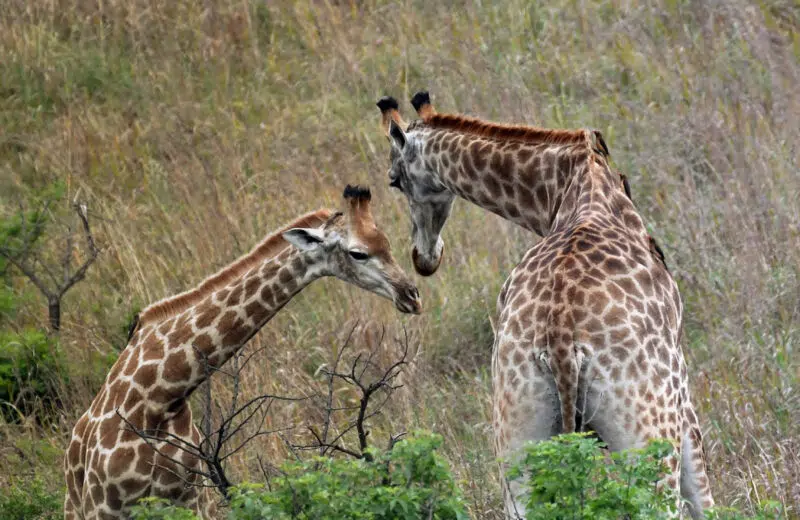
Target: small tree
x: 374, y: 385
x: 20, y: 235
x: 221, y: 438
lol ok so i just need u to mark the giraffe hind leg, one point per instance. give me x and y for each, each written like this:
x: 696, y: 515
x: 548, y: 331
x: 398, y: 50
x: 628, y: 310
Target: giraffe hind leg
x: 70, y: 513
x: 695, y: 486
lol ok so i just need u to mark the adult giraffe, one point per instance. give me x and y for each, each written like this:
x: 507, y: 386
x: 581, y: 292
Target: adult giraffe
x: 589, y: 321
x: 108, y: 466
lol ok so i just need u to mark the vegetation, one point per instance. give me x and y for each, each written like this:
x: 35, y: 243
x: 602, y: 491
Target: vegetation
x: 31, y: 500
x: 572, y: 476
x: 410, y: 481
x: 192, y: 129
x: 567, y: 477
x: 31, y: 489
x: 31, y: 371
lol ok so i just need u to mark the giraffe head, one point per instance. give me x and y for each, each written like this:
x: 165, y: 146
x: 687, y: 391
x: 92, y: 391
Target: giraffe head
x: 429, y: 200
x: 350, y: 247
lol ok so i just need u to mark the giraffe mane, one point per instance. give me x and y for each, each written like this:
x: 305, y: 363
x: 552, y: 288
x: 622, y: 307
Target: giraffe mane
x: 655, y: 249
x: 267, y: 248
x: 529, y: 134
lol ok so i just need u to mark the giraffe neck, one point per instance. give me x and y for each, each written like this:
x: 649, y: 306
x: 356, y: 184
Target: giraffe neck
x: 170, y: 359
x: 540, y: 186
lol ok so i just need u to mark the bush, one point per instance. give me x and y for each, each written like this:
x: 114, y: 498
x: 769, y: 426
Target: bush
x: 152, y: 508
x: 568, y: 476
x: 410, y: 481
x: 31, y: 371
x: 571, y: 476
x: 30, y: 501
x: 7, y: 302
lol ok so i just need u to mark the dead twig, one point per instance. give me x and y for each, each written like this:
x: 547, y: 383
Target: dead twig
x: 368, y: 379
x: 207, y: 467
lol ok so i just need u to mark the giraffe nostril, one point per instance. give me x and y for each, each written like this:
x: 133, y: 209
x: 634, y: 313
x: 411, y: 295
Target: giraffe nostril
x: 412, y: 293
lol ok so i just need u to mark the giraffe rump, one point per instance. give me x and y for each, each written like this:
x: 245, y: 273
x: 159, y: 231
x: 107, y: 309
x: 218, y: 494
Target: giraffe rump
x: 269, y: 247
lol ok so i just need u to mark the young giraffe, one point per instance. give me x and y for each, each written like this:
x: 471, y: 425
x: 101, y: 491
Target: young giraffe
x: 589, y: 321
x: 107, y: 466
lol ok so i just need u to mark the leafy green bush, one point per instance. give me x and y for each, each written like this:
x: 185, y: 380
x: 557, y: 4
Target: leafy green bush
x: 31, y: 371
x: 7, y: 301
x: 411, y: 481
x: 567, y: 477
x: 30, y: 500
x: 570, y: 477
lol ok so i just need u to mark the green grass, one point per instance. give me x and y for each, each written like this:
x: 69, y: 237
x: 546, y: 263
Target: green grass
x: 192, y: 134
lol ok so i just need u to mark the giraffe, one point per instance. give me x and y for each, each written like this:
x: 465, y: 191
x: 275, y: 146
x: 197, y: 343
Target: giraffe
x: 589, y: 321
x: 108, y: 467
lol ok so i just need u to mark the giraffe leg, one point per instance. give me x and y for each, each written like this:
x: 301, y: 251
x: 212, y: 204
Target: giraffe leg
x: 70, y: 513
x: 199, y: 499
x: 610, y: 410
x: 526, y: 408
x: 207, y: 507
x: 695, y: 487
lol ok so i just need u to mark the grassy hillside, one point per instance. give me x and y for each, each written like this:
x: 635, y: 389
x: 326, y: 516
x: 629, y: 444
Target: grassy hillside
x: 192, y: 129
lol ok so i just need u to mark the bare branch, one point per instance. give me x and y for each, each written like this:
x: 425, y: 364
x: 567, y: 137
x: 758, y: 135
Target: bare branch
x: 150, y: 440
x: 80, y: 273
x: 26, y: 271
x: 213, y: 449
x: 368, y: 378
x: 324, y: 447
x: 239, y: 423
x: 329, y: 404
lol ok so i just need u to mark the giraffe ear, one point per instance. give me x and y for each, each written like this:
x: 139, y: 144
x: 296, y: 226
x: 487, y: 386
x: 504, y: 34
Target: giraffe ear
x: 397, y: 135
x: 304, y: 238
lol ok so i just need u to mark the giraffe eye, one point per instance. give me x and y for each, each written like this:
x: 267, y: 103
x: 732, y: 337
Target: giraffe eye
x: 358, y: 255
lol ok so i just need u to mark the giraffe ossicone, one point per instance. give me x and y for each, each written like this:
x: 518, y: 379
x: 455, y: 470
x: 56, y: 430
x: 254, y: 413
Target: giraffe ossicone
x: 588, y: 333
x: 108, y: 467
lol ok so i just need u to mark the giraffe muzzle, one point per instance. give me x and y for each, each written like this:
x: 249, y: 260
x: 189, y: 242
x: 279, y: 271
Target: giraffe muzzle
x: 408, y: 300
x: 422, y: 265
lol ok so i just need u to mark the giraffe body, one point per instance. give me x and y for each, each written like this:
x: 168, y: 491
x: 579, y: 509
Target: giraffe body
x: 179, y: 341
x: 589, y: 321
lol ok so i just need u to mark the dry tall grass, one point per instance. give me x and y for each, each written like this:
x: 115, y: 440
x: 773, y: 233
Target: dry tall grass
x: 194, y: 128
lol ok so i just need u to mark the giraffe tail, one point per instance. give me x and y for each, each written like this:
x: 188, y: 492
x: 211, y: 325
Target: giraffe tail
x: 566, y: 360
